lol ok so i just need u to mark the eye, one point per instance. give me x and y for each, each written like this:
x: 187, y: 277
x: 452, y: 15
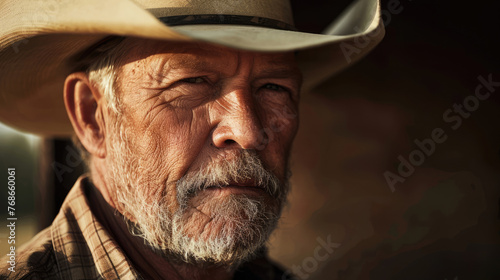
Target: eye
x: 194, y: 80
x: 274, y: 87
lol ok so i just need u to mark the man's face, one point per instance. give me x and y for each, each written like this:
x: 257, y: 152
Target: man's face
x: 198, y: 157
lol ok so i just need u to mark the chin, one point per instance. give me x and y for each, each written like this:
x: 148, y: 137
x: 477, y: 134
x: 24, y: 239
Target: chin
x: 230, y: 232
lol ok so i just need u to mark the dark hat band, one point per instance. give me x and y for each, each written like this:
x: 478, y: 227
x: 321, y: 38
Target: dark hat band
x: 226, y: 19
x: 100, y: 46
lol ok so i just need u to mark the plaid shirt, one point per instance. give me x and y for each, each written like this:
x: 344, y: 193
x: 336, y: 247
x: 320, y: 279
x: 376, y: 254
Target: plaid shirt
x: 77, y: 246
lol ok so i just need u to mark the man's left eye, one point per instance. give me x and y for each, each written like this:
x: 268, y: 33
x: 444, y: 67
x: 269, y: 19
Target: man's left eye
x: 274, y: 87
x: 194, y: 80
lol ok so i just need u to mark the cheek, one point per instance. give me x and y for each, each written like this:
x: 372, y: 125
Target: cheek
x: 280, y: 125
x: 167, y: 144
x: 280, y: 118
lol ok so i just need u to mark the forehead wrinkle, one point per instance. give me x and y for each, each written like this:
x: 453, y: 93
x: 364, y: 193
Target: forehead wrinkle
x: 280, y: 65
x: 168, y: 55
x: 192, y: 55
x: 282, y: 73
x: 155, y: 70
x: 192, y: 62
x: 161, y: 67
x: 279, y: 60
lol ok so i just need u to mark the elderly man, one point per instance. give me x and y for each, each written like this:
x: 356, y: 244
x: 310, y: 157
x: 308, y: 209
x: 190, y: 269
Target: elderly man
x: 186, y: 111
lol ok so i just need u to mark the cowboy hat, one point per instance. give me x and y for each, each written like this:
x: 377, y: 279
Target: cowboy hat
x: 40, y: 40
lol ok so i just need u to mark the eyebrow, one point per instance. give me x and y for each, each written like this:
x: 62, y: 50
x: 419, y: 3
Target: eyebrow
x: 187, y: 63
x: 273, y: 69
x: 283, y: 73
x: 162, y: 68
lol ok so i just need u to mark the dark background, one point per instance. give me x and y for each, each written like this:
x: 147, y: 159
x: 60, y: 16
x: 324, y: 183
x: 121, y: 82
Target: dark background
x: 443, y: 221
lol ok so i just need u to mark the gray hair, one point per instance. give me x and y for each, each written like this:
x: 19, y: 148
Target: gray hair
x: 101, y: 64
x: 102, y: 68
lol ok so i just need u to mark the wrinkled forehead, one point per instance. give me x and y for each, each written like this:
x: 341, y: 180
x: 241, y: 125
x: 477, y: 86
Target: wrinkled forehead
x: 198, y: 54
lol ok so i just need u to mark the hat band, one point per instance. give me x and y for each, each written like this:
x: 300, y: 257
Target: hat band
x: 226, y: 19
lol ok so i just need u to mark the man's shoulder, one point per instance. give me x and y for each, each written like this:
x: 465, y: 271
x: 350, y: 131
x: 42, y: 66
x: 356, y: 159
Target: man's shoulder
x: 34, y: 260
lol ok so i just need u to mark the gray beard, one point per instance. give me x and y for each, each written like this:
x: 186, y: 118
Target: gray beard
x: 244, y: 222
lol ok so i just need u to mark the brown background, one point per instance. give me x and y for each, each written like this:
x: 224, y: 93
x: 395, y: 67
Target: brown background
x: 443, y: 221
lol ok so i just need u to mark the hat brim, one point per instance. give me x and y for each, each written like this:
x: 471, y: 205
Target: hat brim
x: 35, y: 63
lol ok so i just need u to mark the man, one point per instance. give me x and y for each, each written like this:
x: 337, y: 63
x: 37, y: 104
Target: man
x: 186, y: 111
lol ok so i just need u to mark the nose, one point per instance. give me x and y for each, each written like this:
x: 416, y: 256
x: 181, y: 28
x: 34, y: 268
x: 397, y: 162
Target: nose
x: 239, y: 123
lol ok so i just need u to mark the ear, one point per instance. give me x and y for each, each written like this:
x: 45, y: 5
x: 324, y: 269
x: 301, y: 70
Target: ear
x: 85, y: 106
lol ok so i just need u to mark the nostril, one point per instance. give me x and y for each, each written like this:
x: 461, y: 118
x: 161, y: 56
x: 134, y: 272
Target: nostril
x: 229, y: 142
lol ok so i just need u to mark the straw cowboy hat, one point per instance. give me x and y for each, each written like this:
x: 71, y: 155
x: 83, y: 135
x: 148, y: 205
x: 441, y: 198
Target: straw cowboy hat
x: 40, y: 42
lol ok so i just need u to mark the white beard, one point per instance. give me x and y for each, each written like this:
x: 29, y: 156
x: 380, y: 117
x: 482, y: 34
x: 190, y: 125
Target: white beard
x: 244, y: 223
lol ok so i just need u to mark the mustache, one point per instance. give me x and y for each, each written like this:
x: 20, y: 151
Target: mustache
x: 245, y: 168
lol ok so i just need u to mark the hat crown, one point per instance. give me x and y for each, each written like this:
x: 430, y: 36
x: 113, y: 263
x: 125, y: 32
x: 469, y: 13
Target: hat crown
x: 274, y: 9
x: 40, y: 41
